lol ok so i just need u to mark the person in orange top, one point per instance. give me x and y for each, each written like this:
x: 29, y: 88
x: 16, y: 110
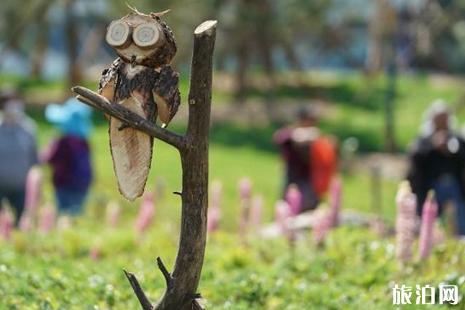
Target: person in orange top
x: 310, y: 157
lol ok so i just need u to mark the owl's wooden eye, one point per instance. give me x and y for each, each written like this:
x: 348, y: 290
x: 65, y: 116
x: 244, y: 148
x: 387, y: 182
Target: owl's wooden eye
x: 146, y: 35
x: 117, y: 33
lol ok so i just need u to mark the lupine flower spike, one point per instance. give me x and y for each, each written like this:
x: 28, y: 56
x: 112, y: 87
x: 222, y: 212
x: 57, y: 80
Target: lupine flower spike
x: 245, y: 190
x: 47, y: 218
x: 214, y: 211
x: 405, y: 222
x: 256, y: 212
x: 113, y: 213
x: 6, y: 224
x: 428, y: 220
x: 282, y: 215
x: 294, y: 199
x: 335, y: 202
x: 146, y: 213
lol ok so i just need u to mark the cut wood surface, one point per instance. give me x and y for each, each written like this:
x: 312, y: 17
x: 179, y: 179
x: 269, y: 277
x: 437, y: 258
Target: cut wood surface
x: 131, y: 151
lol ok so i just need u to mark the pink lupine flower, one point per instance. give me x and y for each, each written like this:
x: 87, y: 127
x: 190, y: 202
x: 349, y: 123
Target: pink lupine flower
x: 256, y: 211
x: 146, y: 213
x: 33, y: 191
x: 428, y: 219
x: 213, y: 220
x: 294, y: 199
x: 6, y: 224
x: 335, y: 202
x: 26, y: 222
x: 113, y: 212
x: 47, y: 218
x: 214, y: 210
x: 321, y: 229
x: 282, y: 214
x: 95, y: 253
x: 245, y: 190
x: 405, y: 222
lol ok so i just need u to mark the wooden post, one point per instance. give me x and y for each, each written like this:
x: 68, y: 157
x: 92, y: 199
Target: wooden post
x: 181, y: 292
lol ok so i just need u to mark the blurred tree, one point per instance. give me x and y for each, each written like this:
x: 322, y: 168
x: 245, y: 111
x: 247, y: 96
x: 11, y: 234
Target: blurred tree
x: 72, y: 43
x: 40, y: 48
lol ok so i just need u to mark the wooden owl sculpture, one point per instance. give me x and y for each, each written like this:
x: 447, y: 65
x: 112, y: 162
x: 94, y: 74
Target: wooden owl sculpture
x: 142, y: 80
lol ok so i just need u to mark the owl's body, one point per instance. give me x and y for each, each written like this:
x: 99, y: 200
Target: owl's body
x: 141, y: 80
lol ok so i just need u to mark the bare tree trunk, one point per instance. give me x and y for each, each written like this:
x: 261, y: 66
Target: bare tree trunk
x: 389, y: 122
x: 182, y: 284
x: 38, y: 58
x: 242, y: 55
x: 72, y: 42
x: 291, y: 56
x: 92, y: 44
x: 18, y: 22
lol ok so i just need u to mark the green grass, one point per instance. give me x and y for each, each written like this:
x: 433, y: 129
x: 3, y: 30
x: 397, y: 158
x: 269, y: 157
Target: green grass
x: 355, y: 269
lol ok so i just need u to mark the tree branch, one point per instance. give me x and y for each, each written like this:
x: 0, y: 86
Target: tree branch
x: 144, y: 301
x: 166, y: 274
x: 192, y: 242
x: 128, y: 117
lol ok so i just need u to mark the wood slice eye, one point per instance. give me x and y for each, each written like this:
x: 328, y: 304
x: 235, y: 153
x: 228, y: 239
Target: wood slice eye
x: 117, y: 33
x: 146, y: 35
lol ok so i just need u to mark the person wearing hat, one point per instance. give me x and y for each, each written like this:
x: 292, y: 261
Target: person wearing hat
x: 69, y: 155
x: 437, y: 162
x: 18, y: 152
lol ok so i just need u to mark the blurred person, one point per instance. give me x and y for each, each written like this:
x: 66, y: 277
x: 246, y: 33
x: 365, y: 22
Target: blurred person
x: 437, y: 162
x: 69, y: 155
x: 18, y: 152
x: 309, y: 156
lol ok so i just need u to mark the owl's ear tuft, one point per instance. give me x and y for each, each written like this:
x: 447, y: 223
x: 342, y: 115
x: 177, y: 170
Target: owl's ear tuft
x: 134, y: 10
x: 159, y: 14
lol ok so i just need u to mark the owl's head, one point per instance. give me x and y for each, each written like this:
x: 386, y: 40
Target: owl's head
x: 142, y: 39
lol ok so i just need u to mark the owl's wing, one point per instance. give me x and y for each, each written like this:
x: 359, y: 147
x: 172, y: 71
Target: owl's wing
x: 109, y: 79
x: 166, y: 94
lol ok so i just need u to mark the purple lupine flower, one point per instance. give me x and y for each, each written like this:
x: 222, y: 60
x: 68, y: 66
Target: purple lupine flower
x: 47, y: 218
x: 146, y: 213
x: 405, y: 222
x: 113, y: 212
x: 428, y: 220
x: 6, y: 224
x: 214, y: 210
x: 294, y: 199
x: 256, y: 212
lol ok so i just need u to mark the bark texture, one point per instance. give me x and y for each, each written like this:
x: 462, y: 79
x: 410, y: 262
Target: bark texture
x: 182, y: 283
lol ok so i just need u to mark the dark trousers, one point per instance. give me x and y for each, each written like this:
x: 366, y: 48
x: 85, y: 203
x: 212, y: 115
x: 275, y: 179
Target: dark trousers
x: 448, y: 190
x: 16, y: 200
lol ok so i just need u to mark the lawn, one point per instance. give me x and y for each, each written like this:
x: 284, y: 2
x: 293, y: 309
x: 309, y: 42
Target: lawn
x: 356, y: 268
